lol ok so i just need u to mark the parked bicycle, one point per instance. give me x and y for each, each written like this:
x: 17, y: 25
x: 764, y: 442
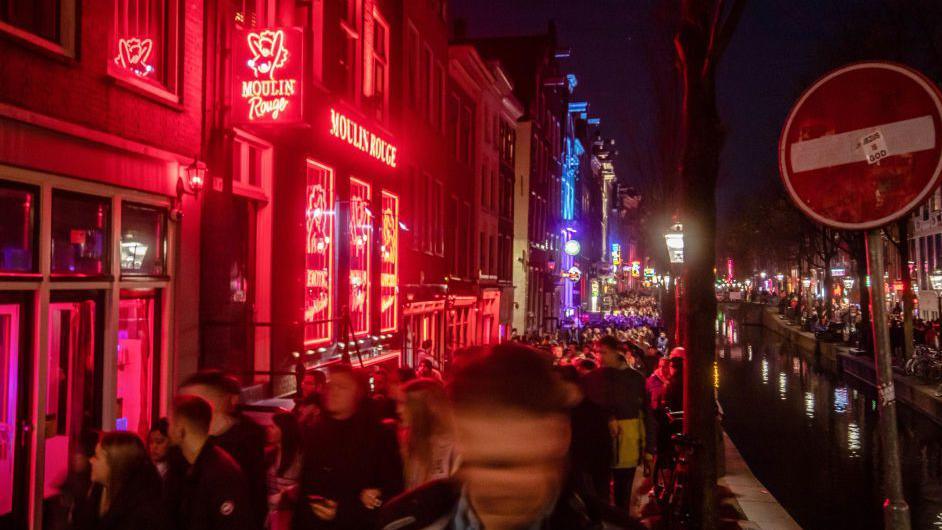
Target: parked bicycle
x: 926, y: 363
x: 671, y: 475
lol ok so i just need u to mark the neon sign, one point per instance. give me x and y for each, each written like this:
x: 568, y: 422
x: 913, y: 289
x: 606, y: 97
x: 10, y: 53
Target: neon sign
x: 356, y: 135
x: 268, y: 76
x: 574, y: 274
x: 616, y: 254
x: 635, y: 269
x: 319, y: 223
x: 389, y: 263
x: 360, y: 238
x: 133, y: 54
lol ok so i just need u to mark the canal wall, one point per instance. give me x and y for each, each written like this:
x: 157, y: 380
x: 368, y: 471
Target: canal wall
x: 840, y: 359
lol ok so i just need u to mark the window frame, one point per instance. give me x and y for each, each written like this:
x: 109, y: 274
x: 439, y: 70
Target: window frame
x: 65, y: 47
x: 168, y: 90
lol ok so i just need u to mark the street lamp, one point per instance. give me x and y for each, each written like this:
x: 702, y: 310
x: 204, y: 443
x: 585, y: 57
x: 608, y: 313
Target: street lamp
x: 935, y: 278
x: 675, y: 250
x: 675, y: 243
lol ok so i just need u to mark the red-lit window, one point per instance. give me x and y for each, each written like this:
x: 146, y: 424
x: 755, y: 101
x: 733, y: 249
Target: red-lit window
x: 48, y: 24
x: 319, y: 213
x: 18, y: 207
x: 412, y: 66
x: 389, y: 271
x: 361, y: 228
x: 377, y: 85
x: 145, y: 41
x: 143, y: 240
x: 80, y: 230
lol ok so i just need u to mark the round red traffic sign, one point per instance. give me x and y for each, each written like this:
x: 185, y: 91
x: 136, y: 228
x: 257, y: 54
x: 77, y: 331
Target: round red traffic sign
x: 861, y: 148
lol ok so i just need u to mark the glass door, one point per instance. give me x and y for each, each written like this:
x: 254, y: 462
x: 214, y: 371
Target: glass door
x: 73, y: 397
x: 138, y: 368
x: 10, y: 392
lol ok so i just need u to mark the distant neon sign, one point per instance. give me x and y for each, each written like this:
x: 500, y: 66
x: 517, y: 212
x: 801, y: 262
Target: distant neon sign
x: 389, y: 263
x: 268, y: 76
x: 635, y: 269
x: 361, y: 138
x: 133, y: 54
x: 319, y: 221
x: 616, y: 254
x: 360, y: 238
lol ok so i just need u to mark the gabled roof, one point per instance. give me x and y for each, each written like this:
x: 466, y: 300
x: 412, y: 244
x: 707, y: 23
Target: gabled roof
x: 521, y: 58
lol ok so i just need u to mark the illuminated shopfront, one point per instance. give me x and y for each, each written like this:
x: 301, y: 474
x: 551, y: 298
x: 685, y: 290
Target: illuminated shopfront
x: 319, y: 261
x: 360, y: 245
x: 389, y: 260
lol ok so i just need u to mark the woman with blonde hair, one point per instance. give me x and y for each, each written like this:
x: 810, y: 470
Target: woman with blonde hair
x: 127, y: 489
x: 428, y: 441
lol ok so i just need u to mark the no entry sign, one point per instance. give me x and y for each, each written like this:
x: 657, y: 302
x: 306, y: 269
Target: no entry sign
x: 861, y: 148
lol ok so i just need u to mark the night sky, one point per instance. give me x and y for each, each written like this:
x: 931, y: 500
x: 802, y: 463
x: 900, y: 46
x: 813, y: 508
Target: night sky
x: 621, y: 47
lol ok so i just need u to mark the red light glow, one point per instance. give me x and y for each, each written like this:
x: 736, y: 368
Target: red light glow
x: 360, y: 244
x: 319, y: 214
x: 268, y: 76
x: 133, y: 54
x: 389, y: 273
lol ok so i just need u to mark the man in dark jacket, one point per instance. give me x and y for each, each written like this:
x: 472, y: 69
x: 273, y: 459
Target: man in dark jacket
x: 513, y: 425
x: 351, y: 460
x: 210, y: 491
x: 620, y: 391
x: 238, y: 435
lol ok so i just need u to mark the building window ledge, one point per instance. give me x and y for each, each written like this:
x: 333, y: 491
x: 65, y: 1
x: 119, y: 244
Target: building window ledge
x: 54, y: 50
x: 145, y: 89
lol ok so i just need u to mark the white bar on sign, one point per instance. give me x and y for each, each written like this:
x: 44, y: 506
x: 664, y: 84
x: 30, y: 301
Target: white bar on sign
x: 902, y: 137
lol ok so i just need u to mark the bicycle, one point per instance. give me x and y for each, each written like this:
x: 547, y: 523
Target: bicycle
x: 926, y: 363
x: 671, y: 475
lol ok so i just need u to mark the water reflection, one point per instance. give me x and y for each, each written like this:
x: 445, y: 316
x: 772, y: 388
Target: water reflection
x: 812, y: 438
x: 840, y: 400
x: 853, y: 440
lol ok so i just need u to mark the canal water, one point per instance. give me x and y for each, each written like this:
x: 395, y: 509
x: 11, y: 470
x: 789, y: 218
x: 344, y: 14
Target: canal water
x: 811, y: 437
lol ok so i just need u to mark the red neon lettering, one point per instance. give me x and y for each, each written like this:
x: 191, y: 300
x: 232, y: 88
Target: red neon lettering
x: 352, y: 133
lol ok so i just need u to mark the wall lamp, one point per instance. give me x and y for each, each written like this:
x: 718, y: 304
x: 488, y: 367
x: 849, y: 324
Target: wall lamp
x: 190, y: 183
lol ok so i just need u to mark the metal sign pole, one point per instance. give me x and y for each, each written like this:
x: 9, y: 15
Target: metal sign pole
x: 896, y: 511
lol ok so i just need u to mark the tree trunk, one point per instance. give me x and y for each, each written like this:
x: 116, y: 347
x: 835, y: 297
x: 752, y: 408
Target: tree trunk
x: 828, y: 285
x: 909, y: 297
x: 703, y: 140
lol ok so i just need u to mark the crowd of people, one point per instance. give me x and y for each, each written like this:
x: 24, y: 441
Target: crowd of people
x: 511, y: 437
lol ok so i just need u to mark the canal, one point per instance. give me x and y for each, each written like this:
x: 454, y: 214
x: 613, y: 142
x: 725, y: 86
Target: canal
x: 811, y: 437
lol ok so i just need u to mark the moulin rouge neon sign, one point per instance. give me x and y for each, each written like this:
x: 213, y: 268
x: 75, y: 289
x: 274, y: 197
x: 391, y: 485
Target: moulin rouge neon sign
x: 361, y: 138
x: 268, y: 76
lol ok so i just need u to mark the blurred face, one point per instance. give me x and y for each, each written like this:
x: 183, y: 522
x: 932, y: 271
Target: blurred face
x: 674, y: 368
x: 664, y: 366
x: 157, y: 445
x: 308, y: 386
x: 609, y: 356
x: 101, y: 473
x: 340, y: 399
x: 512, y: 464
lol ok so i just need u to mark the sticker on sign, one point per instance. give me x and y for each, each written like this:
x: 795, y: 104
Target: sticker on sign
x: 874, y: 146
